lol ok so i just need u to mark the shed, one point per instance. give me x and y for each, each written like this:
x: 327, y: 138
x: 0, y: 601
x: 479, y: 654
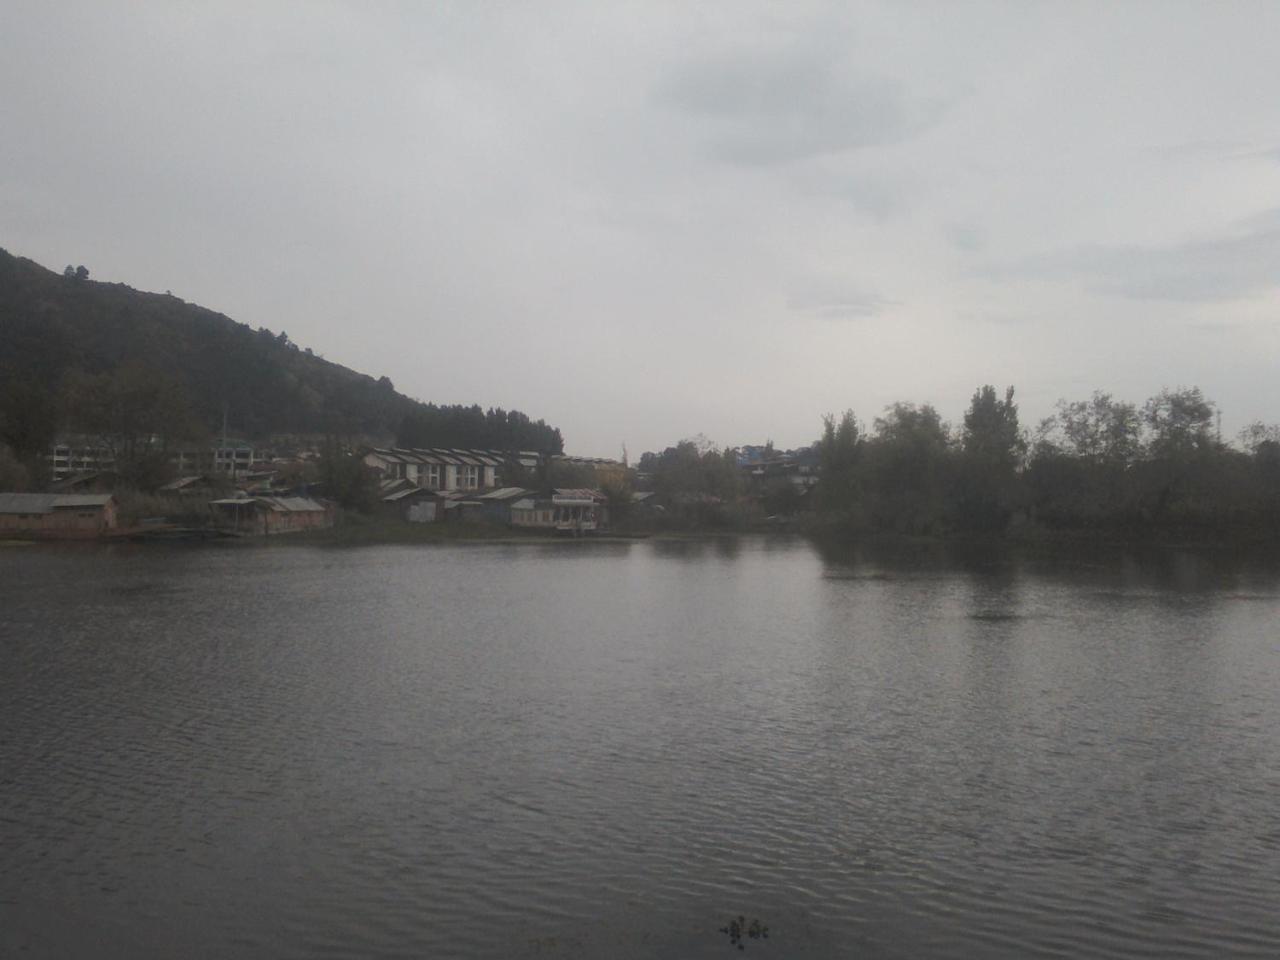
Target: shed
x: 271, y: 515
x: 413, y: 505
x: 57, y: 516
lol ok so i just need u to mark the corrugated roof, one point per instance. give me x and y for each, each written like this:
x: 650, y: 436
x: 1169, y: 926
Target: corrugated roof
x: 504, y: 493
x: 294, y: 504
x: 401, y: 494
x: 26, y: 502
x: 48, y: 502
x: 81, y: 500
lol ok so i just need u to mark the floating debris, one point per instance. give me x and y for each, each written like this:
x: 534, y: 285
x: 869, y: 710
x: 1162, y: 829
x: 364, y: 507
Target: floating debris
x: 737, y: 928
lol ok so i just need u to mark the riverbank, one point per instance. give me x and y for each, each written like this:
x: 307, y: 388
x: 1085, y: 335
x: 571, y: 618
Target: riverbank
x: 357, y: 531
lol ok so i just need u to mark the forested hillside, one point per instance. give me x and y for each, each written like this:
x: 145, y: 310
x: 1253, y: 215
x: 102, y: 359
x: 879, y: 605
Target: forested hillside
x: 78, y: 355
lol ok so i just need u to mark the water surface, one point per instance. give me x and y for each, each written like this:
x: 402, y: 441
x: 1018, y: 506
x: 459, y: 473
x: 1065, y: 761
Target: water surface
x: 588, y: 750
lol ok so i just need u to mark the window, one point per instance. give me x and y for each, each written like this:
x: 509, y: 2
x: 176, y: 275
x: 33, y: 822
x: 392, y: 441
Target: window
x: 468, y: 477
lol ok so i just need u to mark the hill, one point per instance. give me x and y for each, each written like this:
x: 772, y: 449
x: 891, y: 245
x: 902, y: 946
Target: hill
x: 77, y: 355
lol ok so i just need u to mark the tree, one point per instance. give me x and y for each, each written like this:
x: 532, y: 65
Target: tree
x: 838, y: 461
x: 1101, y: 429
x: 1181, y: 422
x: 346, y: 478
x: 82, y: 272
x: 991, y: 430
x: 1256, y: 434
x: 992, y: 447
x: 137, y: 412
x: 29, y: 420
x: 907, y: 469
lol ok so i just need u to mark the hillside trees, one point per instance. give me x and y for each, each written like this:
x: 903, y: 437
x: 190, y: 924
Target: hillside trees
x: 55, y: 330
x: 470, y: 426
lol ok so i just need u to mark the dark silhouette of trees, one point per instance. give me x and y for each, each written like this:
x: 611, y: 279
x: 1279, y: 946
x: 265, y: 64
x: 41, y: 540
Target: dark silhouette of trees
x: 991, y: 452
x: 1099, y: 465
x: 839, y: 459
x: 907, y: 467
x: 459, y: 426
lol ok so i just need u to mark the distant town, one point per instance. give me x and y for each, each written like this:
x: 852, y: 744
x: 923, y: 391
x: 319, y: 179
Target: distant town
x: 237, y: 489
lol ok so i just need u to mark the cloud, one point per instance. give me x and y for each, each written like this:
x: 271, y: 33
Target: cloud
x: 780, y: 106
x: 833, y: 298
x: 1239, y: 263
x: 966, y: 236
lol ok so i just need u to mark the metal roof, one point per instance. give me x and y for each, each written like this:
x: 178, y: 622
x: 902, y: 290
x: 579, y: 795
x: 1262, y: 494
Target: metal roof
x: 293, y: 504
x: 276, y: 504
x: 48, y: 502
x: 504, y: 493
x: 407, y: 492
x: 578, y: 493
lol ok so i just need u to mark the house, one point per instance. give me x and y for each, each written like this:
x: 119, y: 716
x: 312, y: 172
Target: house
x: 565, y: 511
x: 56, y: 516
x: 271, y: 515
x: 438, y: 468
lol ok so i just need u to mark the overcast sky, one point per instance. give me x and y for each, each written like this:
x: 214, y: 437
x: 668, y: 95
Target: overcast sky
x: 644, y: 221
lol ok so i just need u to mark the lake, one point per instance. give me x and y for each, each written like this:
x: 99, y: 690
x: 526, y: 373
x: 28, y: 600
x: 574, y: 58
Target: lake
x: 612, y: 749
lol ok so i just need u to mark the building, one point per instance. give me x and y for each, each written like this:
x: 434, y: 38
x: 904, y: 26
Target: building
x: 565, y: 511
x: 55, y: 516
x: 69, y: 457
x: 78, y: 456
x: 440, y: 468
x: 271, y: 515
x: 496, y: 504
x: 414, y: 504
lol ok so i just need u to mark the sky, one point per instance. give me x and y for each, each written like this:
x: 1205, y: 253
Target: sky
x: 647, y: 221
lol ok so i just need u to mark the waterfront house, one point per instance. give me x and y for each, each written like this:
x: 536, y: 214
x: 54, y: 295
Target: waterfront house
x: 565, y: 511
x: 271, y: 515
x: 56, y: 516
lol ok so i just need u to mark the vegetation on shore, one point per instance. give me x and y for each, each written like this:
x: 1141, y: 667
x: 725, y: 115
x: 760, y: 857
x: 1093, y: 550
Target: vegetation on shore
x: 1097, y: 469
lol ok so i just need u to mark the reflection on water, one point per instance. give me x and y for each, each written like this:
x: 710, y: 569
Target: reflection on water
x: 900, y: 750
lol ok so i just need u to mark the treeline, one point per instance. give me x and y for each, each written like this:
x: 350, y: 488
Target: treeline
x: 1096, y: 465
x: 699, y: 483
x: 457, y: 426
x: 78, y: 356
